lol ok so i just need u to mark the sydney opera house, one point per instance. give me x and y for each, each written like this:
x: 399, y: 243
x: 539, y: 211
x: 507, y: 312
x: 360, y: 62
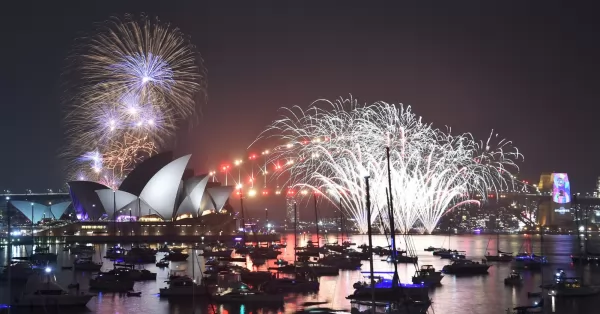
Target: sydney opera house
x: 160, y: 197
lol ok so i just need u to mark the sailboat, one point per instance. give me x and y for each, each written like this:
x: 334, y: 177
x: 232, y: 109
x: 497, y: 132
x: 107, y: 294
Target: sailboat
x: 501, y: 256
x: 575, y: 286
x: 413, y: 297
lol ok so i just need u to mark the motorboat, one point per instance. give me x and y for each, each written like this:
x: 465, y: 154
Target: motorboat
x: 43, y: 257
x: 164, y: 249
x: 466, y: 267
x: 86, y: 264
x: 241, y: 293
x: 386, y: 292
x: 452, y: 254
x: 514, y: 279
x: 264, y: 252
x: 218, y: 252
x: 114, y: 253
x: 428, y: 276
x: 82, y: 249
x: 403, y: 258
x: 348, y: 243
x: 133, y: 274
x: 430, y: 249
x: 162, y: 263
x: 530, y: 261
x: 572, y: 287
x: 111, y: 283
x: 140, y: 255
x: 42, y: 292
x: 341, y: 262
x: 334, y: 247
x: 183, y: 286
x: 439, y: 251
x: 290, y: 285
x: 501, y: 257
x: 175, y: 256
x: 19, y: 271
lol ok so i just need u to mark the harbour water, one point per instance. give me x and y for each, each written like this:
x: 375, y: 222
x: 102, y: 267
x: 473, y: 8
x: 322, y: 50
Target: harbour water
x: 460, y: 295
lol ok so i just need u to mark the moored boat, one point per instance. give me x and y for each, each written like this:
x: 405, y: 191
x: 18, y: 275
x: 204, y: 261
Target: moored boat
x: 466, y: 267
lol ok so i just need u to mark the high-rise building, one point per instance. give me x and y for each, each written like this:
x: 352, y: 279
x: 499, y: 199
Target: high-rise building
x: 598, y: 186
x: 290, y: 200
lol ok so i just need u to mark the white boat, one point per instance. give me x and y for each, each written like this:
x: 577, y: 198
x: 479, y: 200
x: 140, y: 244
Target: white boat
x: 46, y: 292
x: 242, y: 294
x: 183, y: 286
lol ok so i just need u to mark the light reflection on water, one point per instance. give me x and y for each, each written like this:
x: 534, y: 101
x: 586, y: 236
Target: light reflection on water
x: 474, y: 294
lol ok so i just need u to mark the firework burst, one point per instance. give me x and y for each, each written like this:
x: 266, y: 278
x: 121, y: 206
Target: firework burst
x: 130, y: 84
x: 334, y: 145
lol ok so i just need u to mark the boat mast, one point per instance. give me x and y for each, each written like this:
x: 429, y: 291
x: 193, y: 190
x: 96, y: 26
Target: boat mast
x: 341, y: 224
x: 295, y: 231
x: 242, y: 212
x: 392, y: 224
x: 369, y: 235
x: 316, y: 218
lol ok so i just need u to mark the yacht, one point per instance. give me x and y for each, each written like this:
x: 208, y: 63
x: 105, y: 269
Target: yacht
x: 241, y: 293
x: 218, y: 252
x: 501, y: 257
x: 402, y: 257
x: 140, y: 255
x: 115, y: 253
x: 19, y: 271
x: 290, y: 285
x: 570, y: 287
x: 86, y: 264
x: 430, y: 249
x: 384, y: 291
x: 428, y: 276
x: 454, y: 254
x: 530, y: 261
x: 183, y: 286
x: 111, y: 283
x: 466, y: 267
x: 82, y: 249
x: 133, y: 274
x: 46, y: 292
x: 341, y: 262
x: 175, y: 256
x: 514, y: 279
x: 162, y: 263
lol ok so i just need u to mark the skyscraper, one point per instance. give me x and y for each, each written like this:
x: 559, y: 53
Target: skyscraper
x: 598, y: 186
x: 290, y: 200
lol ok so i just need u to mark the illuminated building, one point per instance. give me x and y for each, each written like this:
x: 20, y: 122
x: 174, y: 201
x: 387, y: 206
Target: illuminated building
x: 290, y: 200
x: 597, y: 192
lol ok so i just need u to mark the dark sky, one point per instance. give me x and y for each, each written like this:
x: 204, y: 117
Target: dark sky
x: 528, y: 69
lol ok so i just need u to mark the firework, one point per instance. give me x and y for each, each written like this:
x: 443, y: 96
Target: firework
x: 131, y: 83
x: 334, y: 145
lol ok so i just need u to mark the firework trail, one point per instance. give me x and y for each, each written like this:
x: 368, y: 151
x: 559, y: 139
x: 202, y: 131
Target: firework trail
x: 334, y: 145
x: 130, y: 84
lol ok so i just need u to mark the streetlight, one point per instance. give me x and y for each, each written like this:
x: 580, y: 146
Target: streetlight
x: 238, y: 164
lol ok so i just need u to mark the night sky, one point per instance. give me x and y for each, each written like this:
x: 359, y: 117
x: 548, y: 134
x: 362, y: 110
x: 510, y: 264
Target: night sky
x: 527, y: 69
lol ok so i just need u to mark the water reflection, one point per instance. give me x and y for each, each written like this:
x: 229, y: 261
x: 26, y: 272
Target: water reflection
x: 473, y: 294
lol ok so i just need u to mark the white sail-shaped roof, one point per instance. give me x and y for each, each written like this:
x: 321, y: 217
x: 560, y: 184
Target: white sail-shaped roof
x: 194, y: 188
x: 187, y: 207
x: 160, y: 193
x: 220, y: 195
x: 109, y: 197
x: 59, y: 209
x: 215, y: 198
x: 39, y: 210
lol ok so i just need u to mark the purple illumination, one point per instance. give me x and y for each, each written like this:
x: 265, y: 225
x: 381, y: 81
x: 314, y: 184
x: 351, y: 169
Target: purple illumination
x: 238, y: 239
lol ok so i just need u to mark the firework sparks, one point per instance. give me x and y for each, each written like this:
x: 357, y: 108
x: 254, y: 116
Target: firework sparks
x: 132, y: 82
x: 335, y: 145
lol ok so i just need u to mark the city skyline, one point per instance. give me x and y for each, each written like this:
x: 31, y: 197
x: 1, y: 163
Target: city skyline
x: 487, y: 77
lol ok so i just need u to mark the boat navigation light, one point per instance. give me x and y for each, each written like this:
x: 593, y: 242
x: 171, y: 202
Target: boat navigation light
x: 48, y: 270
